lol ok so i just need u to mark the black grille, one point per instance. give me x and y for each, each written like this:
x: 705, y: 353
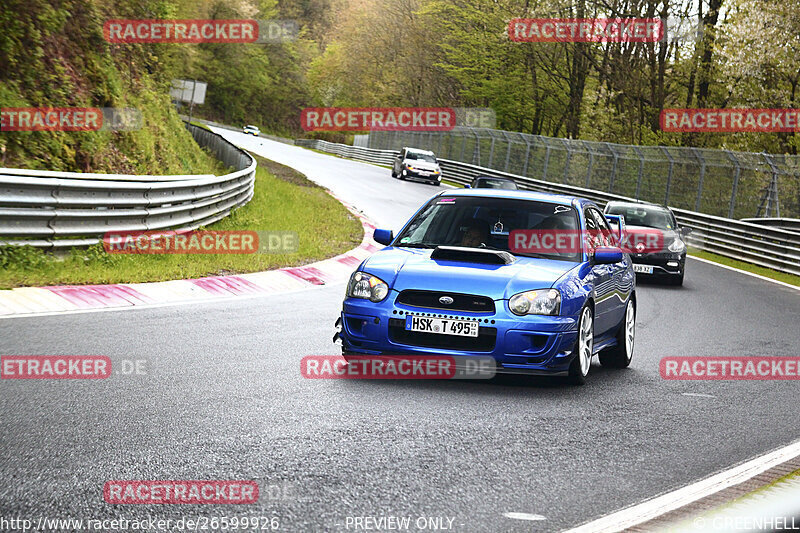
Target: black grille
x: 484, y: 342
x: 461, y: 302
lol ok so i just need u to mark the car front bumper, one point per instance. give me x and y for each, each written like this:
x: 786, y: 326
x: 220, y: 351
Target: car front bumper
x: 418, y: 175
x: 663, y: 263
x: 532, y: 344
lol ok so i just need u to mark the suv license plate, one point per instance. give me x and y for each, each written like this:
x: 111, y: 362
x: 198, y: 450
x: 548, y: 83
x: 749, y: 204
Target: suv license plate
x: 643, y: 269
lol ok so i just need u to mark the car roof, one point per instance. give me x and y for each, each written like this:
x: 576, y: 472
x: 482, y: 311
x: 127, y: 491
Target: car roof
x: 521, y: 195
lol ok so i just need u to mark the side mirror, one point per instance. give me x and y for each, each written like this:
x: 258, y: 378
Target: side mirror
x: 607, y: 255
x: 383, y: 236
x: 685, y: 230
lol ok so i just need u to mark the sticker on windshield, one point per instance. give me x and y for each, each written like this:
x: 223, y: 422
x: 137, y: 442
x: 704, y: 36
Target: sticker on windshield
x: 446, y: 201
x: 560, y: 209
x: 405, y: 240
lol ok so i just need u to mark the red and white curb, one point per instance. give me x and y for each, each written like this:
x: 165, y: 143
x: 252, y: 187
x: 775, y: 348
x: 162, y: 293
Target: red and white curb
x: 35, y: 301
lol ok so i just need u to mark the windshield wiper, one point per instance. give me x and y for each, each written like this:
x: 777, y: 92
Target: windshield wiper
x: 417, y: 245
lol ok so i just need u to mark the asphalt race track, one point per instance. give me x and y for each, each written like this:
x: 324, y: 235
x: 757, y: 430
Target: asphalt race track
x: 223, y: 398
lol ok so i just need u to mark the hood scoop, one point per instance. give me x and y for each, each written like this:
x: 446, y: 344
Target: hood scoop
x: 472, y: 255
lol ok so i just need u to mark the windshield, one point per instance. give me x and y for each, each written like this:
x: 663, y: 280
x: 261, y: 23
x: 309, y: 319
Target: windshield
x: 486, y: 223
x: 420, y: 157
x: 648, y: 217
x: 489, y: 183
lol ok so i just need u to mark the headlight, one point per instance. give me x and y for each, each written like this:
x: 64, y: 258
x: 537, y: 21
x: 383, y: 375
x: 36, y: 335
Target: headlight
x: 538, y: 302
x: 677, y: 246
x: 409, y: 167
x: 367, y: 287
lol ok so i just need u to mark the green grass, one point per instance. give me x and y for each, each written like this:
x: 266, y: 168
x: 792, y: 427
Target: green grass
x: 766, y: 272
x: 284, y: 200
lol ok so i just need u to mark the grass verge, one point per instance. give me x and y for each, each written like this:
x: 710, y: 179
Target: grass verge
x: 741, y: 265
x: 284, y: 200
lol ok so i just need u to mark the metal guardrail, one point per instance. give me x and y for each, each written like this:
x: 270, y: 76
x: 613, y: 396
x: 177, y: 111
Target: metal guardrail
x: 791, y: 224
x: 769, y: 247
x: 723, y: 183
x: 61, y: 209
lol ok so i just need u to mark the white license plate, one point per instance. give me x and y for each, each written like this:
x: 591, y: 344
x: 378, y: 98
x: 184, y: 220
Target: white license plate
x: 643, y: 269
x: 423, y: 173
x: 442, y: 326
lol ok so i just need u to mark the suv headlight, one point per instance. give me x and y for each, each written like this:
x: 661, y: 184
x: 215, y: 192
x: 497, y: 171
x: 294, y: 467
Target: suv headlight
x: 366, y: 287
x: 538, y: 302
x: 677, y: 246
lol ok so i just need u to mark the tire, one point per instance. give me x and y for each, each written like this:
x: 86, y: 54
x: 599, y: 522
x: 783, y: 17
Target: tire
x: 620, y: 355
x: 584, y: 346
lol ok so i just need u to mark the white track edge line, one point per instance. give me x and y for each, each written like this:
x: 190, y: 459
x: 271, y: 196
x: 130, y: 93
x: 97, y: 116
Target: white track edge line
x: 759, y: 276
x: 665, y: 503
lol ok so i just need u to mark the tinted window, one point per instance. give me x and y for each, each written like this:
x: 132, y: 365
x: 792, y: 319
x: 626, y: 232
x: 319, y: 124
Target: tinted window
x: 485, y: 222
x: 491, y: 183
x: 421, y: 157
x: 644, y: 216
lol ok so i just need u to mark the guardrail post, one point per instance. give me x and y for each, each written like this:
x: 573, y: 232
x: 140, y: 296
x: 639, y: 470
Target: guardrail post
x: 566, y: 162
x: 641, y: 170
x: 736, y: 174
x: 669, y: 174
x: 527, y: 155
x: 773, y: 188
x: 463, y: 146
x: 546, y: 162
x: 508, y: 152
x: 702, y: 160
x: 591, y: 162
x: 613, y: 167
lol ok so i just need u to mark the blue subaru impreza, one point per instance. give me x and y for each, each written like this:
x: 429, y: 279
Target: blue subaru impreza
x: 452, y: 283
